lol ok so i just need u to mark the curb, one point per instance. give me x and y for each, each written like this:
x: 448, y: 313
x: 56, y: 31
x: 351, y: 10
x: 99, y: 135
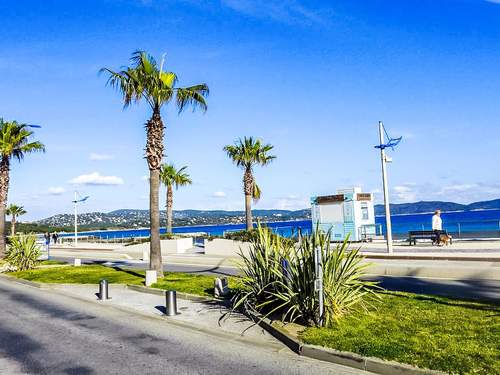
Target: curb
x: 371, y: 364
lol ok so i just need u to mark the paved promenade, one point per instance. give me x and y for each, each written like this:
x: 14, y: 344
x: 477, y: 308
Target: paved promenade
x: 45, y: 332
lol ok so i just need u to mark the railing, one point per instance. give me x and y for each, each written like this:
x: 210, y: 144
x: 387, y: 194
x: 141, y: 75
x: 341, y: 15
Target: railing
x: 462, y: 229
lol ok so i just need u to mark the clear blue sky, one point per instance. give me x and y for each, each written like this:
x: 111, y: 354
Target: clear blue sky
x: 312, y: 78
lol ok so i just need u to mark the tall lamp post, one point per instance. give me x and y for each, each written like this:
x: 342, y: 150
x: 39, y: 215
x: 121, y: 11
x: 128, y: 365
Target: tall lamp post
x: 391, y: 142
x: 75, y: 202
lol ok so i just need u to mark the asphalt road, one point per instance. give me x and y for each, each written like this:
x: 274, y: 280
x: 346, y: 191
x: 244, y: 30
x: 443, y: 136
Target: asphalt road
x: 483, y: 290
x: 42, y: 332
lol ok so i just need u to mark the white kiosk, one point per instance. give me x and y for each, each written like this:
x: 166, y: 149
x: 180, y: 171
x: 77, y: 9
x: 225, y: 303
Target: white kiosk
x: 347, y: 213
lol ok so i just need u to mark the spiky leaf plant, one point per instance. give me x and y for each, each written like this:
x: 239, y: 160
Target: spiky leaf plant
x: 23, y: 252
x: 279, y: 278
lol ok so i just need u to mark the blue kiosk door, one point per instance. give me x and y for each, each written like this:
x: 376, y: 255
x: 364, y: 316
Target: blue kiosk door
x: 349, y: 228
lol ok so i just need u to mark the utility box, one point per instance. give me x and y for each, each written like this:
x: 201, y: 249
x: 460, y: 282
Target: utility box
x: 349, y: 212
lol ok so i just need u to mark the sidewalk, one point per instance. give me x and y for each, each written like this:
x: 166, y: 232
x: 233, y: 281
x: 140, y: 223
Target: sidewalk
x: 202, y: 316
x: 460, y: 261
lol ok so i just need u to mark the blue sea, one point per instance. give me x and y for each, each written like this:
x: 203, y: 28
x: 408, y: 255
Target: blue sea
x: 465, y: 224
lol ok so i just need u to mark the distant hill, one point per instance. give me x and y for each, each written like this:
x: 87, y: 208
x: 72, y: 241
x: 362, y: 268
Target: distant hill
x: 430, y: 206
x: 132, y: 218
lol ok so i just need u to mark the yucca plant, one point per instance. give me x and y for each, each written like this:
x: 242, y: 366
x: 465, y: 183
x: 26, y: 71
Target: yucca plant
x: 23, y: 252
x: 259, y: 269
x: 280, y: 279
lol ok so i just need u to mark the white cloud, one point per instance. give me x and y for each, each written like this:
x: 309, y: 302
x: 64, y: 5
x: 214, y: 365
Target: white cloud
x: 56, y: 190
x: 94, y: 156
x: 291, y: 202
x: 287, y: 11
x: 458, y: 192
x: 404, y: 193
x: 96, y: 179
x: 219, y: 194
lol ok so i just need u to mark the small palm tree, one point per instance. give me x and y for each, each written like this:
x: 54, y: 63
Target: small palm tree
x: 171, y: 176
x: 146, y: 80
x: 246, y: 153
x: 15, y: 211
x: 14, y: 143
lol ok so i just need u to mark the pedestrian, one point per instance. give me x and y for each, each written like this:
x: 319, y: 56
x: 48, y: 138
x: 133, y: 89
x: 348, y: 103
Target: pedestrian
x: 437, y: 226
x: 47, y: 243
x: 54, y: 237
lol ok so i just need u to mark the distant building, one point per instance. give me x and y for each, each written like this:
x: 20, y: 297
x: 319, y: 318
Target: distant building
x: 349, y: 212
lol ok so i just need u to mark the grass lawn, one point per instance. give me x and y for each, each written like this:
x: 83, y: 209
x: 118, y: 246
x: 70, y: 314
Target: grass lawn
x: 181, y: 282
x: 52, y: 263
x: 432, y: 332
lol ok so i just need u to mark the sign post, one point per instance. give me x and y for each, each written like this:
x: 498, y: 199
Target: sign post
x: 318, y: 282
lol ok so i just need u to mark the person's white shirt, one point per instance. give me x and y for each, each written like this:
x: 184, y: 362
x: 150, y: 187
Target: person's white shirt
x: 437, y: 222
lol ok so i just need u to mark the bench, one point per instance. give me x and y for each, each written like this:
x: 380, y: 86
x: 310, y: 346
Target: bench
x: 415, y: 235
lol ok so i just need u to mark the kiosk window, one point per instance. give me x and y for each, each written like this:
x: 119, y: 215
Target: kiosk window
x: 364, y: 211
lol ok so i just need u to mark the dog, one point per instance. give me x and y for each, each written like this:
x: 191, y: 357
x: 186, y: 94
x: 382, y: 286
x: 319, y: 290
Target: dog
x: 444, y: 239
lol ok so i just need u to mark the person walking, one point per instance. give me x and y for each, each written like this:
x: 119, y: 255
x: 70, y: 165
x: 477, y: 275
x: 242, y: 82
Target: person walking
x: 54, y: 238
x: 47, y: 243
x: 437, y: 226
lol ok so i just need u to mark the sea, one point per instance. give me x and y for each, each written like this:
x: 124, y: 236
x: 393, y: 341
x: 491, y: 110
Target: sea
x: 461, y: 224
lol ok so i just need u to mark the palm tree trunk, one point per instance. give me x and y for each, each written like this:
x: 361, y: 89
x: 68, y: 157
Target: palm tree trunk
x: 154, y: 155
x: 4, y: 189
x: 247, y: 189
x: 13, y: 226
x: 170, y: 200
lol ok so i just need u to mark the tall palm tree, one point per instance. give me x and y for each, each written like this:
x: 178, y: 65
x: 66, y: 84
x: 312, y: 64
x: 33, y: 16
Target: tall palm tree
x: 15, y: 142
x: 246, y: 153
x: 15, y: 211
x: 144, y: 79
x: 171, y: 176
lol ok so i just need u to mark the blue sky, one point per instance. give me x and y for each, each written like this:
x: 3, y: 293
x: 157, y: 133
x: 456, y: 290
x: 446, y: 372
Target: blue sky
x: 311, y: 77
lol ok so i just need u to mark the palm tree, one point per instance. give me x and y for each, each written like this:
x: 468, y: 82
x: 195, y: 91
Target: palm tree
x: 146, y: 80
x: 14, y: 143
x: 14, y: 211
x: 245, y: 154
x: 171, y: 176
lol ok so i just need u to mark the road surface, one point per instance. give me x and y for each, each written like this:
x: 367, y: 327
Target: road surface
x: 42, y: 332
x: 484, y: 290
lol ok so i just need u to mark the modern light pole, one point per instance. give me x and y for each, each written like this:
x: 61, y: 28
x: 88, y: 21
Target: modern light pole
x: 76, y: 201
x: 391, y: 142
x: 385, y: 160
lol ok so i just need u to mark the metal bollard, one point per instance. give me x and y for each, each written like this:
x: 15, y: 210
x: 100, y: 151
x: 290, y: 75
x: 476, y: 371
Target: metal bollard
x: 103, y: 290
x: 171, y: 302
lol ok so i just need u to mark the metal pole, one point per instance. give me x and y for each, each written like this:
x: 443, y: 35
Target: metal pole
x: 318, y: 284
x: 386, y: 189
x: 76, y: 222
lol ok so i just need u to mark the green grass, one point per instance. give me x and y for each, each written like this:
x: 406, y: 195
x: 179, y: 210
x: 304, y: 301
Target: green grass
x: 431, y: 332
x: 182, y: 282
x: 52, y: 263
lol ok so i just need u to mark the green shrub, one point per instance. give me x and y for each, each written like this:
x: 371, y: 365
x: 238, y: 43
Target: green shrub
x: 278, y: 277
x: 253, y: 235
x: 23, y: 252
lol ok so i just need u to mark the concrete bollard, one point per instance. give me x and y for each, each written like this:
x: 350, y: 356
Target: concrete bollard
x: 77, y: 262
x: 103, y: 290
x: 171, y: 302
x: 151, y: 277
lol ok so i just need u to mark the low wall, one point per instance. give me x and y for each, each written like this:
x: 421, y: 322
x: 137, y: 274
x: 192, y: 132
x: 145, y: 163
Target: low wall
x: 228, y: 248
x: 174, y: 246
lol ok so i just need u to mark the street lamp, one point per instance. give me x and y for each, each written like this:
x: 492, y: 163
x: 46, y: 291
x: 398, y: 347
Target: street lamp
x: 391, y: 142
x: 77, y: 200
